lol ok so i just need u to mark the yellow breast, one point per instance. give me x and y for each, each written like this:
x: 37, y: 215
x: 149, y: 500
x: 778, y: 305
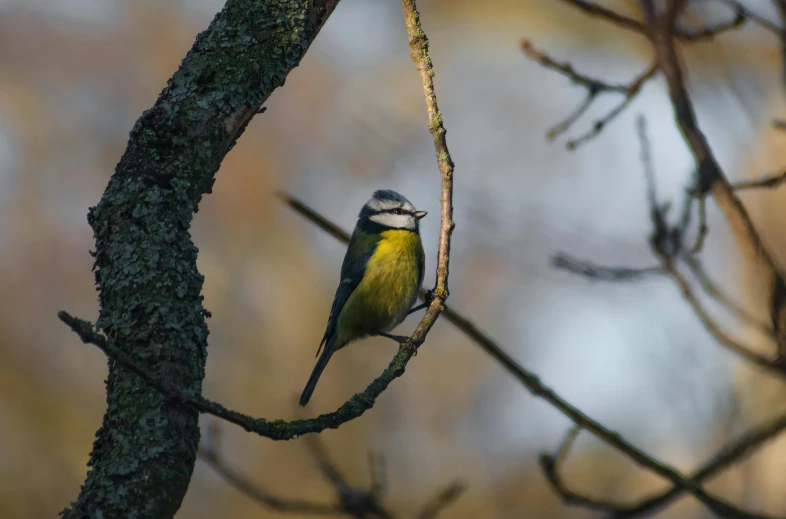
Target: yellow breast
x: 388, y: 289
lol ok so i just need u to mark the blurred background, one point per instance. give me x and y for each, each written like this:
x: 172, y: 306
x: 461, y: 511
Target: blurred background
x: 76, y: 74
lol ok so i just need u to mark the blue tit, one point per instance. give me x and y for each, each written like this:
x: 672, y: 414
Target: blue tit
x: 380, y: 277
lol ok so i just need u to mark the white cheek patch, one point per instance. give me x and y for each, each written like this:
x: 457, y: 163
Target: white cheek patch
x: 396, y: 221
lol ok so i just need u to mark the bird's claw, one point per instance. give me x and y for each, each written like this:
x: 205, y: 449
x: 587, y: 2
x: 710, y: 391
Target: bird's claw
x: 399, y: 339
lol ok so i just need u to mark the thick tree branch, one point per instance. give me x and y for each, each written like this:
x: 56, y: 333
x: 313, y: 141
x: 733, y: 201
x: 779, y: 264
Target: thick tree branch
x: 145, y: 261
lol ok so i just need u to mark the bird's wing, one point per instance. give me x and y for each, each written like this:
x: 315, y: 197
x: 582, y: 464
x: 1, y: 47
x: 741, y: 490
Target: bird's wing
x: 421, y: 267
x: 361, y: 248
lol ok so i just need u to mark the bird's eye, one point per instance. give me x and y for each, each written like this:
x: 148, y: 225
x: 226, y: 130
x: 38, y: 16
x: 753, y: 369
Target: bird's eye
x: 397, y: 211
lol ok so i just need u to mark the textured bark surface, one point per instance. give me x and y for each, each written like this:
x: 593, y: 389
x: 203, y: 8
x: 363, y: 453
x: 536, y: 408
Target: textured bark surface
x: 145, y: 261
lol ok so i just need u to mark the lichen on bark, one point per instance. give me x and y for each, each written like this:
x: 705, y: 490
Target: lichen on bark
x: 145, y: 261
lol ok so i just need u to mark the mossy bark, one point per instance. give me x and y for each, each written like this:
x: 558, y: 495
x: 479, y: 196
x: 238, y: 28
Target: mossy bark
x: 145, y: 262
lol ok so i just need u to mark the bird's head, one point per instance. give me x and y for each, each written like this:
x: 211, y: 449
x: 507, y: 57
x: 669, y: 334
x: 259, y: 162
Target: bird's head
x: 390, y: 210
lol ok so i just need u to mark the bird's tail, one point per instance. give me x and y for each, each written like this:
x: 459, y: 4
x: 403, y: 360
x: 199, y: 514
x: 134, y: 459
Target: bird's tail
x: 318, y: 369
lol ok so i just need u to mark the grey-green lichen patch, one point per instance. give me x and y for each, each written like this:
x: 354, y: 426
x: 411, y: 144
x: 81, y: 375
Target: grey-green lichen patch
x: 145, y: 260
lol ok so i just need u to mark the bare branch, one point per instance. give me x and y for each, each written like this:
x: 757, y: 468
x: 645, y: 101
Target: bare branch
x: 714, y: 291
x: 418, y: 44
x: 378, y: 475
x: 743, y: 350
x: 210, y: 453
x: 607, y: 14
x: 358, y: 503
x: 667, y: 244
x: 768, y: 182
x: 593, y: 86
x: 551, y: 464
x: 710, y: 32
x: 593, y: 271
x: 355, y: 502
x: 634, y: 87
x: 750, y: 15
x: 710, y: 176
x: 731, y: 453
x: 688, y: 35
x: 441, y: 501
x: 703, y: 228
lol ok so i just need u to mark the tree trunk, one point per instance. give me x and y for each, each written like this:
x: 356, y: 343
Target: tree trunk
x: 145, y: 261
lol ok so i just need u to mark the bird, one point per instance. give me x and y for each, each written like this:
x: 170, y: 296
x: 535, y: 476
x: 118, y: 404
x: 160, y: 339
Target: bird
x: 380, y: 277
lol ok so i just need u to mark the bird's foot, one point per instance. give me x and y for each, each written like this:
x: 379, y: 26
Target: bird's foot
x: 399, y: 339
x: 427, y: 301
x: 416, y: 308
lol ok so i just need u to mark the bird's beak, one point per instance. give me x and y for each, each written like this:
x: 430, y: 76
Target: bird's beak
x: 420, y: 214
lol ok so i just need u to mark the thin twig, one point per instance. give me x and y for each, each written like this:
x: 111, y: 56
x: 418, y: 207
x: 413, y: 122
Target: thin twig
x: 687, y: 35
x: 713, y: 290
x: 747, y: 13
x: 569, y: 496
x: 355, y: 502
x: 358, y: 503
x: 594, y: 272
x: 743, y: 350
x: 418, y: 44
x: 210, y: 453
x: 441, y: 501
x: 634, y: 87
x: 377, y: 475
x: 607, y: 14
x: 768, y: 182
x: 567, y: 444
x: 703, y: 227
x: 710, y: 32
x: 593, y: 86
